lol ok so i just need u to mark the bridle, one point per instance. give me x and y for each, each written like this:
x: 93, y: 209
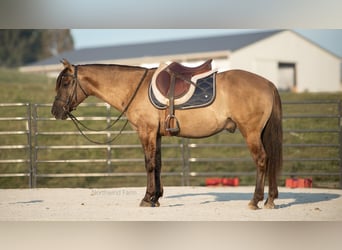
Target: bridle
x: 78, y: 123
x: 75, y: 83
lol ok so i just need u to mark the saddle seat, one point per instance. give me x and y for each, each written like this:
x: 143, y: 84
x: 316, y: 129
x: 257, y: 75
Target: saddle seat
x: 181, y: 75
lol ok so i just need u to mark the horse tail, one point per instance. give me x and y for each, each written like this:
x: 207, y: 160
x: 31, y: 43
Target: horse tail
x: 272, y: 139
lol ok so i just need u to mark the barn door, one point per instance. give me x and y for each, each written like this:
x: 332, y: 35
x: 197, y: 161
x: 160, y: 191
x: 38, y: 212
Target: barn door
x: 287, y: 77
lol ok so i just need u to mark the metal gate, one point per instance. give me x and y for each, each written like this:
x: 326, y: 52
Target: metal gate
x: 35, y: 146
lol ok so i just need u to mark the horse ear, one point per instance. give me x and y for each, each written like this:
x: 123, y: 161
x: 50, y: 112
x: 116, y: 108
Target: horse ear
x: 66, y: 63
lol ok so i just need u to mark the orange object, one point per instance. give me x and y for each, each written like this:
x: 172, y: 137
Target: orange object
x: 222, y: 181
x: 230, y: 182
x: 298, y: 182
x: 213, y: 181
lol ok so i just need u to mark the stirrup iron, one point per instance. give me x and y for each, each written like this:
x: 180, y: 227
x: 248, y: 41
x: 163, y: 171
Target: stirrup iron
x: 168, y: 124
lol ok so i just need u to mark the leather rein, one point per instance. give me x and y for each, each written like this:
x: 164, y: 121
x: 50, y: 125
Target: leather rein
x: 79, y: 124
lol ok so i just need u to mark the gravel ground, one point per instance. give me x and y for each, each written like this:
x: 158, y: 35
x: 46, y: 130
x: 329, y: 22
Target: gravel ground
x: 178, y: 204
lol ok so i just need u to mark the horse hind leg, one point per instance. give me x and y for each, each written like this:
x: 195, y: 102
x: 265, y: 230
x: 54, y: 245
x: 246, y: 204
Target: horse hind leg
x: 259, y: 156
x: 272, y: 138
x: 272, y: 184
x: 272, y: 181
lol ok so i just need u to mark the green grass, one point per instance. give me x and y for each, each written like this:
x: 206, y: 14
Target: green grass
x: 19, y: 87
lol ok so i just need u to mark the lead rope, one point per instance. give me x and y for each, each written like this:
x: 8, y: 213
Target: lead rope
x: 78, y: 123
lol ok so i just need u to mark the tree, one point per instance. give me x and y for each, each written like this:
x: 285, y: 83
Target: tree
x: 20, y: 47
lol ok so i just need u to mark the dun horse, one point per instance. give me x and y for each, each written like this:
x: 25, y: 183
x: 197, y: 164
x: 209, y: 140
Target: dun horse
x: 242, y: 100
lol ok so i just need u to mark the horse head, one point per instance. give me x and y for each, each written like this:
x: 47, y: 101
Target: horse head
x: 69, y: 91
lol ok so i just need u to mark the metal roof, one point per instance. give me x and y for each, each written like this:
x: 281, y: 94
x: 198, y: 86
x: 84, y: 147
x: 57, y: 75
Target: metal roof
x: 197, y: 45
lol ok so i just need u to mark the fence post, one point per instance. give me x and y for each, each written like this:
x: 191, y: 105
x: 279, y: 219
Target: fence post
x: 340, y: 138
x: 34, y: 142
x: 29, y: 141
x: 109, y: 147
x: 186, y: 167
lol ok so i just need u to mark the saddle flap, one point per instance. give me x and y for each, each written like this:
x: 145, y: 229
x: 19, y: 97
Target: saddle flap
x: 163, y: 83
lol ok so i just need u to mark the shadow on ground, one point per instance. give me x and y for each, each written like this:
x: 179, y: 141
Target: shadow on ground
x: 27, y: 202
x: 296, y: 198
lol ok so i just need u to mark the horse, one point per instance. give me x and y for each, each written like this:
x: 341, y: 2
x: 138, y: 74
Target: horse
x: 243, y: 100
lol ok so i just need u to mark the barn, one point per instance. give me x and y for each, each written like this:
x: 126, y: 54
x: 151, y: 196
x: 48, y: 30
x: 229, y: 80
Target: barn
x: 291, y: 61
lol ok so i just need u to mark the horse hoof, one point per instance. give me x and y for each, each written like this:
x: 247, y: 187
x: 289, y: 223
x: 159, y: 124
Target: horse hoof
x: 149, y: 204
x: 253, y: 206
x: 269, y: 205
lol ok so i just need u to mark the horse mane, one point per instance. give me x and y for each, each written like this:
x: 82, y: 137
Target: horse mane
x: 111, y: 65
x: 64, y: 71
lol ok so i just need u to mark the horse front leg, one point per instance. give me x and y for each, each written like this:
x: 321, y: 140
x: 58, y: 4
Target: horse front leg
x: 152, y: 149
x: 157, y: 177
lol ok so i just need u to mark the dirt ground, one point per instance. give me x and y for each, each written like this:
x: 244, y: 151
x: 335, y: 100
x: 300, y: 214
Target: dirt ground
x: 178, y: 204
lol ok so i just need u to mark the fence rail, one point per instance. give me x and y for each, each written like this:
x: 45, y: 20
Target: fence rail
x: 35, y: 146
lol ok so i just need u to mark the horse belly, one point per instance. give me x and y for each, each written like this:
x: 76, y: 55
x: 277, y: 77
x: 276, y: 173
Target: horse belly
x: 198, y: 123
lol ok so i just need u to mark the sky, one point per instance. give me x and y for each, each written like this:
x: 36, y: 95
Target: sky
x: 329, y: 39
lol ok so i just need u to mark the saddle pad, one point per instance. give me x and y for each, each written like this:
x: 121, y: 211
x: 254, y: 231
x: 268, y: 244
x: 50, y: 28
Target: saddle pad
x: 203, y: 95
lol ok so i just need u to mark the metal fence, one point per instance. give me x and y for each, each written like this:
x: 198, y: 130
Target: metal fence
x: 36, y: 147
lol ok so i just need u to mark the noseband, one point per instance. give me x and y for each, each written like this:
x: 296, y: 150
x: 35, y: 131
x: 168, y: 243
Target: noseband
x: 75, y: 82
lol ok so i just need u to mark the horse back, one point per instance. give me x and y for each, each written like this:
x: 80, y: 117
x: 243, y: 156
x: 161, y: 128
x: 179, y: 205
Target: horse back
x: 245, y: 81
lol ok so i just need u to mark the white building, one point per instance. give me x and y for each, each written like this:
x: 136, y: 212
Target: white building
x: 286, y: 58
x: 291, y: 62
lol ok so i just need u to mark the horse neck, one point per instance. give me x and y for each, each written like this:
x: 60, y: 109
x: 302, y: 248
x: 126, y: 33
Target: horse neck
x: 113, y: 84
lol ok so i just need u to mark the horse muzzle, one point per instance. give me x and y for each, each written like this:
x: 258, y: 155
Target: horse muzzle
x: 59, y: 112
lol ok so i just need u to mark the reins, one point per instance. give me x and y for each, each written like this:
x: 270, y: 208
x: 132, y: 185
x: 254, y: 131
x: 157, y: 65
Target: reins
x: 80, y: 124
x: 77, y: 123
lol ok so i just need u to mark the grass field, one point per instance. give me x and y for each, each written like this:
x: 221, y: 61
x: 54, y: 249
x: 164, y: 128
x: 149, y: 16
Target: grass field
x: 26, y: 88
